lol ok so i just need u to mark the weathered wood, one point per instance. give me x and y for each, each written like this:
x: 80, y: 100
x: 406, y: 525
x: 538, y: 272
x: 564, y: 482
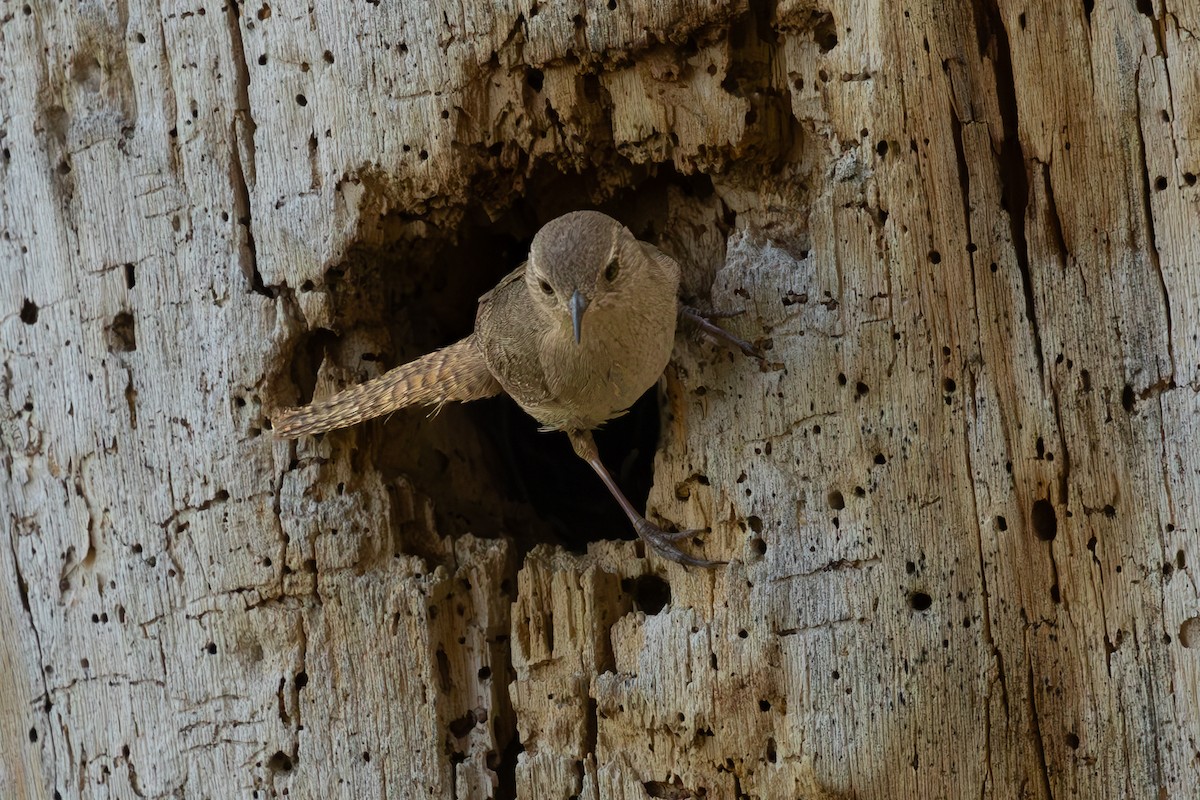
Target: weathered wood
x: 959, y: 502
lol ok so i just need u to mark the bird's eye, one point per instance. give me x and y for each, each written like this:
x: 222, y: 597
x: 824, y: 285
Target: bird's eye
x: 546, y: 287
x: 610, y: 272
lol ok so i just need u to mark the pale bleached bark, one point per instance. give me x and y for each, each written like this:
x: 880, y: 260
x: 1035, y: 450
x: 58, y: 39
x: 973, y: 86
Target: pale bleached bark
x: 959, y: 502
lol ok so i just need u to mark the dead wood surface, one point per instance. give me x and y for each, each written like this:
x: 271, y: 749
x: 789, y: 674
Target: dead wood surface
x: 959, y: 503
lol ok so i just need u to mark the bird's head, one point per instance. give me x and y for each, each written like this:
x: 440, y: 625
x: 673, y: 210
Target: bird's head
x: 577, y: 262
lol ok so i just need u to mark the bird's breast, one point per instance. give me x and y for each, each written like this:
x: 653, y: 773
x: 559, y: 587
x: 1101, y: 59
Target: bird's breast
x: 622, y: 353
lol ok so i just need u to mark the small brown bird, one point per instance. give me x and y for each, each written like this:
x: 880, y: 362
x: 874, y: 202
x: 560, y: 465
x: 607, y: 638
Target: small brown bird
x: 574, y: 335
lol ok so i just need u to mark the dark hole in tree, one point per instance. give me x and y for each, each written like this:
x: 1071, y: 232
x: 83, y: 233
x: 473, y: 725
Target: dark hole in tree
x: 1127, y: 398
x: 485, y: 465
x: 461, y: 726
x: 562, y: 489
x: 280, y: 762
x: 650, y: 593
x: 825, y: 33
x: 1045, y: 520
x: 121, y: 333
x: 504, y: 764
x: 920, y: 601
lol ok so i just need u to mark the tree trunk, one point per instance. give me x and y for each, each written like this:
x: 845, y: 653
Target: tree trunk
x: 959, y: 501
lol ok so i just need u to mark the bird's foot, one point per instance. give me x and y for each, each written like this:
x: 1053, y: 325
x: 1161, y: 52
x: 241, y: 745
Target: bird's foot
x: 711, y: 315
x: 663, y: 543
x: 704, y: 321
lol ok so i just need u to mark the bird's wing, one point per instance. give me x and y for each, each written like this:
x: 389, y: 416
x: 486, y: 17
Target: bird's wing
x: 505, y: 330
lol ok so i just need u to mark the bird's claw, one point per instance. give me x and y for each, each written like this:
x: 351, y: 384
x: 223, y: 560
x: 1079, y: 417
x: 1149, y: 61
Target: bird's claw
x: 741, y: 344
x: 663, y: 543
x: 704, y: 321
x: 736, y: 312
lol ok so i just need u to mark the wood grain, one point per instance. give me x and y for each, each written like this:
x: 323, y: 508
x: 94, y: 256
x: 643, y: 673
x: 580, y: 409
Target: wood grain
x: 960, y: 501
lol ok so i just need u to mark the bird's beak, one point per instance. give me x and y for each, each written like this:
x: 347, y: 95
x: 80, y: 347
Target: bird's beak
x: 578, y: 305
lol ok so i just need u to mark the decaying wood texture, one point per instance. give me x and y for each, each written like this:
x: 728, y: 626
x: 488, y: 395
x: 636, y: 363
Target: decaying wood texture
x: 960, y: 504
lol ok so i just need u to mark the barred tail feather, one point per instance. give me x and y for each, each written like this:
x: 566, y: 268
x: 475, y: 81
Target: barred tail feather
x: 454, y: 373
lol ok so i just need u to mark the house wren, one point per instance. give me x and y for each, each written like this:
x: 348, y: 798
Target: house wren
x: 574, y: 335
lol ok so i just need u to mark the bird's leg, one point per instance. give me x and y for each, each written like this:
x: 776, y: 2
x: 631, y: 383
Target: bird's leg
x: 705, y: 323
x: 662, y: 542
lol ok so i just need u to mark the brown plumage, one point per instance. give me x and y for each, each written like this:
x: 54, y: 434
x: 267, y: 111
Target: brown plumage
x: 574, y: 335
